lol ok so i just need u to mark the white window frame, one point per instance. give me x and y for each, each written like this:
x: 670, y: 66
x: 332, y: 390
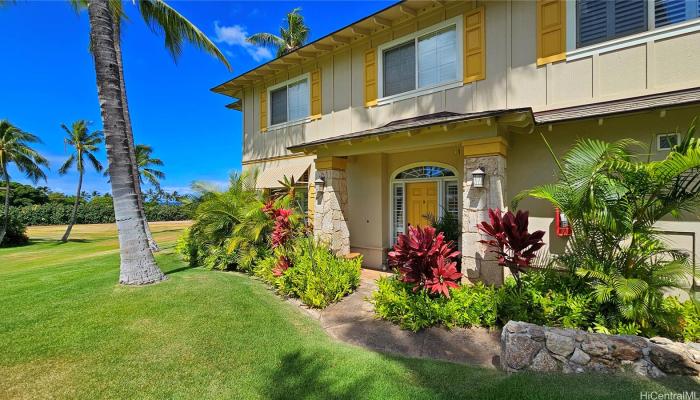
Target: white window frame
x: 660, y: 135
x: 296, y: 79
x: 652, y: 34
x: 457, y: 22
x: 440, y: 195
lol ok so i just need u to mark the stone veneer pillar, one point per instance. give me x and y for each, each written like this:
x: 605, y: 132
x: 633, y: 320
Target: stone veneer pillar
x: 489, y: 154
x: 330, y: 220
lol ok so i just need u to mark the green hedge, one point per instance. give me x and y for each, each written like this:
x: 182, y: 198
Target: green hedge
x: 16, y: 231
x: 93, y: 213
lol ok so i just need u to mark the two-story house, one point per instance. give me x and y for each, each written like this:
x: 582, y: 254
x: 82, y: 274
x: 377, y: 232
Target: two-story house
x: 388, y: 119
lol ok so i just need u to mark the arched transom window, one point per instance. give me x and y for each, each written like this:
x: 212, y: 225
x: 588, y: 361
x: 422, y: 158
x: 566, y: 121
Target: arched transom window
x: 438, y: 188
x: 425, y: 171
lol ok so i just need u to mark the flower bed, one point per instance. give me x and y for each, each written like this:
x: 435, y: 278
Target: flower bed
x: 240, y: 229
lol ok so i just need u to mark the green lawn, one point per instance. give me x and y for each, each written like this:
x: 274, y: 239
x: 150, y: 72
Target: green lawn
x: 67, y: 330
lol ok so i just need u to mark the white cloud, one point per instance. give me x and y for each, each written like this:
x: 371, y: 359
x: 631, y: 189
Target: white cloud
x: 236, y: 35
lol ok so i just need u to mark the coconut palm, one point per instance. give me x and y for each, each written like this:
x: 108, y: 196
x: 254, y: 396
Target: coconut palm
x: 290, y: 39
x: 613, y: 202
x: 84, y: 145
x: 15, y: 148
x: 147, y: 165
x: 137, y: 263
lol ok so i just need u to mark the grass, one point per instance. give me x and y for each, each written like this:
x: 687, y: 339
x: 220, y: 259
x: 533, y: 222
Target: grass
x: 67, y: 330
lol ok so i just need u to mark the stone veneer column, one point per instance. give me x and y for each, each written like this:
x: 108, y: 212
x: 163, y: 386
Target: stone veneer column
x: 330, y: 220
x: 489, y: 154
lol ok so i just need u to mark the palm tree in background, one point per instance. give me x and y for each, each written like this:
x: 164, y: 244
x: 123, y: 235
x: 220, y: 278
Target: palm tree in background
x: 137, y: 263
x: 15, y: 148
x: 290, y: 39
x: 84, y: 144
x: 147, y: 165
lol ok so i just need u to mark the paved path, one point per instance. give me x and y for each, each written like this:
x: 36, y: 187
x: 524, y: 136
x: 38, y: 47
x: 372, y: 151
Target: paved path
x: 353, y: 321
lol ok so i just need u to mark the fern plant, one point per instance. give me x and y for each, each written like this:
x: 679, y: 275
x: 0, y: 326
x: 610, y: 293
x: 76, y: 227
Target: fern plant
x: 613, y: 201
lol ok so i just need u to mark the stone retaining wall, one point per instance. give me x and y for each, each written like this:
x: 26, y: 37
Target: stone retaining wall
x: 532, y: 347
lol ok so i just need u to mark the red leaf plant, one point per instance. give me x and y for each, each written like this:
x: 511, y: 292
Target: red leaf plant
x: 511, y: 241
x: 282, y: 265
x: 416, y: 256
x: 445, y: 276
x: 281, y: 234
x: 282, y: 230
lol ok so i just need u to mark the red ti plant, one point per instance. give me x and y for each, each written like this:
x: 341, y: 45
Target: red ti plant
x: 445, y: 276
x: 282, y: 232
x: 282, y: 265
x: 511, y: 241
x: 417, y: 256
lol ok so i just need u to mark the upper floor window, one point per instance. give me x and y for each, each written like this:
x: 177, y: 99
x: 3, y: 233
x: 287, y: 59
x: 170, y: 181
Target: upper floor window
x: 289, y: 101
x: 667, y: 12
x: 422, y: 60
x: 602, y: 20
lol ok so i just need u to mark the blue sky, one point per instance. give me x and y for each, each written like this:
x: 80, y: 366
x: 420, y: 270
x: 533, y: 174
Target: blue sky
x: 47, y: 78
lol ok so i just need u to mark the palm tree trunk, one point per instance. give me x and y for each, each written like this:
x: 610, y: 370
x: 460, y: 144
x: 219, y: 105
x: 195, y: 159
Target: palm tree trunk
x: 6, y: 213
x: 130, y: 135
x: 75, y: 209
x: 137, y: 265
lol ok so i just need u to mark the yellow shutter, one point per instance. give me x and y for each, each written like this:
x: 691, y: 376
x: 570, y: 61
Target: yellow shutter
x: 551, y: 31
x: 263, y: 109
x: 474, y: 45
x: 312, y: 203
x: 370, y: 77
x: 316, y: 94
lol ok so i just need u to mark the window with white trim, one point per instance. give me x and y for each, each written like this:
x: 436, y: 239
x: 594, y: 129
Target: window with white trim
x: 289, y: 102
x: 398, y: 216
x: 666, y: 141
x: 422, y: 60
x: 602, y: 20
x: 452, y: 198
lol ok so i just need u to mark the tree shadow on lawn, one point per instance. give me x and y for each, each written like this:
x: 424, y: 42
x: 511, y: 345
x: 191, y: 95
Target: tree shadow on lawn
x: 312, y: 375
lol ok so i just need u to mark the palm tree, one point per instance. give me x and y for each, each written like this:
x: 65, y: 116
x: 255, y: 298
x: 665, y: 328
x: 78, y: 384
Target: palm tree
x: 84, y: 144
x: 290, y: 39
x: 146, y: 165
x: 613, y: 202
x: 137, y: 263
x: 15, y: 148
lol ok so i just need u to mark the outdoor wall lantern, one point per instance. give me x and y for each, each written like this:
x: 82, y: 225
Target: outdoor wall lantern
x: 319, y: 184
x: 478, y: 176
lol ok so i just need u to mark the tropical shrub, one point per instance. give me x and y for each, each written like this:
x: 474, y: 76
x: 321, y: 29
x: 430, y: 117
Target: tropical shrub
x: 16, y: 233
x: 613, y: 202
x: 468, y: 306
x: 317, y: 276
x: 425, y: 260
x: 511, y: 241
x: 230, y: 228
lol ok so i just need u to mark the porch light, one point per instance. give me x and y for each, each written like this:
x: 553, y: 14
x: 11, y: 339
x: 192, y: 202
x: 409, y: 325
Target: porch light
x: 319, y: 184
x: 478, y: 177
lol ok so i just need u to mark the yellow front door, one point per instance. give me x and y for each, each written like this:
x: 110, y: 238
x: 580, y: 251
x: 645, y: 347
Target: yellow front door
x: 421, y: 199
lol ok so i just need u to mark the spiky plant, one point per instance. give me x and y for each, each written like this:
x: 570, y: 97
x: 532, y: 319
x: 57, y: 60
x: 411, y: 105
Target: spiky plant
x: 613, y: 201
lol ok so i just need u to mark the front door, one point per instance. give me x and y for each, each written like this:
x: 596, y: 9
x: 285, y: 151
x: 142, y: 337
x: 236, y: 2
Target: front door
x: 421, y: 199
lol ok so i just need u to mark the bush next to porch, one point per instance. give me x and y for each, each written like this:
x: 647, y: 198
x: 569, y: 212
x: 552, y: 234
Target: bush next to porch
x: 315, y: 275
x: 616, y: 271
x: 239, y: 229
x: 467, y: 306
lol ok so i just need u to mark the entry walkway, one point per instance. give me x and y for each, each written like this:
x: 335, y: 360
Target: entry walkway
x: 353, y: 321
